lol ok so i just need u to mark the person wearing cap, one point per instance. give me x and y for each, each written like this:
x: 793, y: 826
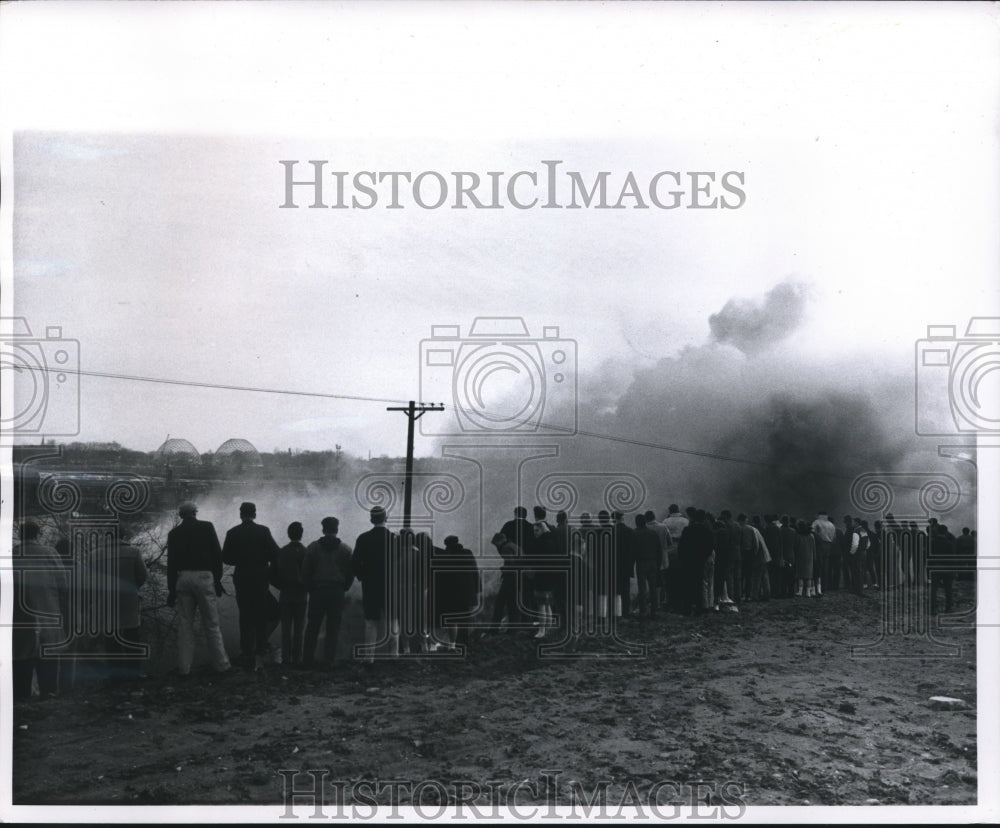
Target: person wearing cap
x: 374, y: 561
x: 194, y: 582
x: 251, y: 548
x: 506, y: 601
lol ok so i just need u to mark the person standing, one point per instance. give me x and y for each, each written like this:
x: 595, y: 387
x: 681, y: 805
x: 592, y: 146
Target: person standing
x: 252, y: 550
x: 648, y: 551
x: 544, y: 578
x: 856, y: 556
x: 457, y: 590
x: 733, y: 558
x: 942, y: 566
x: 519, y: 532
x: 561, y: 601
x: 675, y: 523
x: 663, y: 575
x: 624, y: 565
x: 327, y: 574
x: 506, y: 605
x: 292, y: 596
x: 845, y: 566
x: 965, y: 551
x: 121, y: 571
x: 772, y: 539
x: 788, y: 538
x: 39, y: 578
x: 805, y: 555
x: 873, y: 557
x: 697, y: 554
x: 604, y: 566
x: 825, y: 533
x: 757, y: 555
x: 194, y: 582
x: 375, y: 563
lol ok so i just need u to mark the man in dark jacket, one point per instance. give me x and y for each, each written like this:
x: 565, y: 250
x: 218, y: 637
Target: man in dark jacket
x: 648, y: 552
x: 375, y: 564
x: 624, y: 564
x: 293, y: 596
x: 518, y: 531
x: 252, y: 550
x: 457, y: 589
x: 698, y: 552
x: 732, y: 560
x: 327, y: 574
x: 194, y: 581
x: 772, y: 539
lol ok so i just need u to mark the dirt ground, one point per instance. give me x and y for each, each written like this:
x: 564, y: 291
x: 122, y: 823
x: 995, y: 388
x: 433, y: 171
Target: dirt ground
x: 770, y: 699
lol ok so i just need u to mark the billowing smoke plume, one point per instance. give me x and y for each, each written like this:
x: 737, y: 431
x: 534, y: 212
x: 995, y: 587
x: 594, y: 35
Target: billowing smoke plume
x: 753, y: 326
x: 761, y: 427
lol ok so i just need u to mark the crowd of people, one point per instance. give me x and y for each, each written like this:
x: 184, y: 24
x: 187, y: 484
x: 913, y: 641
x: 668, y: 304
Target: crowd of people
x: 563, y: 578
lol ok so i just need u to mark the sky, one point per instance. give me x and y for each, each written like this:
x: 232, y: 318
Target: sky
x: 146, y: 222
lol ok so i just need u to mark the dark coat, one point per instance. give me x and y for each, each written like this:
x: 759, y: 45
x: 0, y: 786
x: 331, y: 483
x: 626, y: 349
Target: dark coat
x: 287, y: 575
x: 193, y: 544
x: 251, y: 549
x: 624, y: 552
x: 646, y: 547
x: 457, y: 589
x: 519, y: 531
x: 327, y: 563
x: 545, y: 579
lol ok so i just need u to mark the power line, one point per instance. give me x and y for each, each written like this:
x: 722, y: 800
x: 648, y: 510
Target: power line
x: 193, y: 384
x: 547, y: 426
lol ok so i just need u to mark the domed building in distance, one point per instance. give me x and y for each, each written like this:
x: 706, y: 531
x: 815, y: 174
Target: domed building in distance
x: 239, y: 452
x: 177, y: 451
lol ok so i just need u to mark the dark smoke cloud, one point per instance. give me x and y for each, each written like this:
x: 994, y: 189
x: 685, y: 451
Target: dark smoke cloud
x: 760, y: 431
x: 778, y: 429
x: 808, y: 451
x: 754, y: 326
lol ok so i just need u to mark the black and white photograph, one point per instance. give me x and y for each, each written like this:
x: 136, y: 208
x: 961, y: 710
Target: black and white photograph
x: 480, y: 411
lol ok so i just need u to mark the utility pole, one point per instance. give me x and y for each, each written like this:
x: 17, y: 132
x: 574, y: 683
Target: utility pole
x: 414, y: 412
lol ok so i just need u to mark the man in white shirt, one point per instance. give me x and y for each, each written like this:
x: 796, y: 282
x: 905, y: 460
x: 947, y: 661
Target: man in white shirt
x: 824, y: 531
